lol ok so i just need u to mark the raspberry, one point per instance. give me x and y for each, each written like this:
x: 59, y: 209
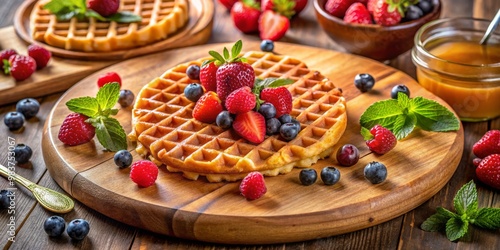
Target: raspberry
x: 144, y: 173
x: 253, y: 186
x: 280, y: 97
x: 105, y: 8
x: 5, y: 55
x: 240, y: 101
x: 109, y: 78
x: 75, y: 131
x: 383, y: 141
x: 40, y: 54
x: 488, y: 171
x: 21, y: 67
x: 489, y: 144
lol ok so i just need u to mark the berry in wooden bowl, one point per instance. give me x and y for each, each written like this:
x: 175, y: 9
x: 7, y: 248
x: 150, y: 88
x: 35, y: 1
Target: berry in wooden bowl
x: 385, y: 37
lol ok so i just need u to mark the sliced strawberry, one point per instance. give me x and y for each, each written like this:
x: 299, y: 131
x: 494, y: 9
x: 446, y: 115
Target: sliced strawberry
x: 272, y: 26
x: 251, y: 126
x: 207, y: 76
x: 207, y: 107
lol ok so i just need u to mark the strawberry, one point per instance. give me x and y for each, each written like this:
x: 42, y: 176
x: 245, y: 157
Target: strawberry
x: 75, y: 130
x: 388, y: 14
x: 228, y: 3
x: 357, y: 13
x: 383, y: 141
x: 105, y: 8
x: 40, y: 54
x: 144, y: 173
x: 280, y: 97
x: 298, y: 5
x: 207, y: 107
x: 253, y: 186
x: 108, y: 78
x: 240, y: 101
x: 273, y: 26
x: 488, y: 144
x: 208, y: 71
x: 233, y: 73
x: 20, y: 67
x: 338, y: 7
x: 370, y: 5
x: 245, y: 15
x: 251, y: 126
x: 5, y: 55
x: 488, y: 171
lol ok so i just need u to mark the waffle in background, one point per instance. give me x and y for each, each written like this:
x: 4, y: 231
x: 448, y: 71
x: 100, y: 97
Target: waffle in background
x: 160, y: 18
x: 166, y: 131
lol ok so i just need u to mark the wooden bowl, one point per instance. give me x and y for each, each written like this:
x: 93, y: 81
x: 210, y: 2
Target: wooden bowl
x: 371, y: 40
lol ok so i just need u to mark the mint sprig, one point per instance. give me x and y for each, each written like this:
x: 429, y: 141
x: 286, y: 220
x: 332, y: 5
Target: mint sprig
x: 402, y: 115
x: 109, y: 132
x: 271, y: 82
x: 67, y: 9
x: 456, y: 225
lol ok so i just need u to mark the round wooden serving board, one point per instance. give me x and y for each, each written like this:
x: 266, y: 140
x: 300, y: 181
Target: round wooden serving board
x: 418, y: 167
x: 197, y: 31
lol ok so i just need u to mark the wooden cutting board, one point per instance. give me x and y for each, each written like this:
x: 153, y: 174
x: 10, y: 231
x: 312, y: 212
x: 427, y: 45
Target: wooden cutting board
x: 68, y: 67
x: 418, y: 167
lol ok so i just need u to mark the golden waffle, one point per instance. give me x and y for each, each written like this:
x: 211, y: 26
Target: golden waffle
x: 166, y: 131
x: 160, y: 18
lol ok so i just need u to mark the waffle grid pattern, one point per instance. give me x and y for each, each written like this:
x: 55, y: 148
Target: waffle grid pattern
x: 165, y: 129
x: 160, y: 18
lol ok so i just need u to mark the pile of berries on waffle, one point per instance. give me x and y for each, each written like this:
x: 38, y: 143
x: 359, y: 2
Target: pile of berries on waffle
x: 232, y: 114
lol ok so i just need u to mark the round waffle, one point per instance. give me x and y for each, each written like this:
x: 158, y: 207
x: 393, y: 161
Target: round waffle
x: 165, y: 130
x: 160, y: 18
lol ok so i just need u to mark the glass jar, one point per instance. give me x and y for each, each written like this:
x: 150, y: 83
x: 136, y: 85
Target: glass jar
x: 453, y: 65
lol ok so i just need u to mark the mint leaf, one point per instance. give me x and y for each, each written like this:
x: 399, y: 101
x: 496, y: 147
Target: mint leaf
x: 445, y: 212
x: 108, y: 95
x: 110, y: 133
x: 92, y: 13
x: 432, y: 116
x: 124, y: 17
x: 87, y: 106
x: 488, y: 218
x: 465, y: 200
x: 435, y: 223
x: 271, y: 82
x: 80, y: 4
x: 385, y: 113
x: 58, y: 6
x: 456, y: 228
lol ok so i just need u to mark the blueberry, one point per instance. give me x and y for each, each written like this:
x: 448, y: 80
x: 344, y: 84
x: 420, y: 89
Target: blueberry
x: 78, y: 229
x: 224, y: 119
x: 289, y: 131
x: 296, y: 123
x: 193, y: 92
x: 399, y: 88
x: 5, y: 198
x: 193, y: 72
x: 14, y: 120
x: 286, y: 118
x: 425, y: 5
x: 126, y: 98
x: 364, y: 82
x: 348, y: 155
x: 267, y: 110
x: 54, y: 226
x: 267, y: 46
x: 308, y: 176
x: 413, y: 12
x: 28, y: 107
x: 375, y: 172
x: 272, y: 126
x: 22, y: 153
x: 123, y: 158
x: 330, y: 175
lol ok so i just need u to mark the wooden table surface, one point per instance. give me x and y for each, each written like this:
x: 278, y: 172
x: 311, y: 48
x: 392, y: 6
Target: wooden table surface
x: 402, y: 232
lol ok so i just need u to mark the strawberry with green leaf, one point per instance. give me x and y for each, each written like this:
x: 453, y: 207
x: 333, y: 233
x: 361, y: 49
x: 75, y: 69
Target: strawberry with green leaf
x: 97, y: 112
x: 98, y: 9
x: 245, y: 15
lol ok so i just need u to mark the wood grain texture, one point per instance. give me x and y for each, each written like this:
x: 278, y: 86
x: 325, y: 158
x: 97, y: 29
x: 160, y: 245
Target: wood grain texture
x: 196, y: 31
x: 205, y: 211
